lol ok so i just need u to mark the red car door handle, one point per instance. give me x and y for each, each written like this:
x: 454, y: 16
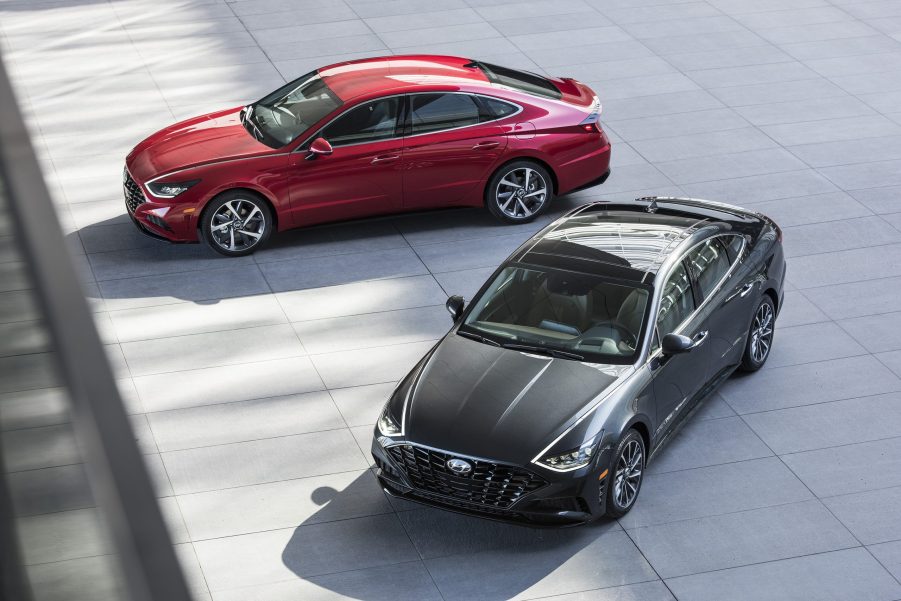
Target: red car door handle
x: 485, y: 145
x: 385, y: 158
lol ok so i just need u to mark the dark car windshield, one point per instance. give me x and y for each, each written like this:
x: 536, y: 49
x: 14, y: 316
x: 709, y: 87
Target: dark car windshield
x: 579, y: 315
x: 285, y: 114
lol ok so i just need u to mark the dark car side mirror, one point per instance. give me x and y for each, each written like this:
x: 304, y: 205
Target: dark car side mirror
x: 455, y: 306
x: 319, y: 147
x: 674, y: 344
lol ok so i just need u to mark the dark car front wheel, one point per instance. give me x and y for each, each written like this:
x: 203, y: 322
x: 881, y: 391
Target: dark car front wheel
x: 519, y: 192
x: 760, y: 336
x: 236, y: 223
x: 625, y: 474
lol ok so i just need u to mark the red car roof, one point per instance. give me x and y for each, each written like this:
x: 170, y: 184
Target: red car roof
x: 353, y: 78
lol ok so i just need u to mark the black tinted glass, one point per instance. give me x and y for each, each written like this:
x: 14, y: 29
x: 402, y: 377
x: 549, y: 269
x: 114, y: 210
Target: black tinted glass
x: 367, y: 123
x: 498, y: 108
x: 709, y: 263
x: 437, y: 112
x: 676, y: 301
x: 520, y: 80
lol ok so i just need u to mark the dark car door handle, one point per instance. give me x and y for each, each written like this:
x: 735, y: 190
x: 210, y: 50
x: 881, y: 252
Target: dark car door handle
x: 699, y: 339
x: 742, y: 292
x: 385, y: 158
x: 485, y: 145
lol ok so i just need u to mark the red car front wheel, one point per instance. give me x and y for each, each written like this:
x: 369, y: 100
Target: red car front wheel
x: 236, y: 223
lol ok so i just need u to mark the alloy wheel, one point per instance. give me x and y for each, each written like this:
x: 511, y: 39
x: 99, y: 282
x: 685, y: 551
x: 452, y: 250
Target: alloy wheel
x: 627, y: 477
x: 762, y: 333
x: 237, y: 225
x: 521, y: 193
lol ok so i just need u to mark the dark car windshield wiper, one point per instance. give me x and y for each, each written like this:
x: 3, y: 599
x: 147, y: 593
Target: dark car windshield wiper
x: 478, y: 337
x: 543, y: 350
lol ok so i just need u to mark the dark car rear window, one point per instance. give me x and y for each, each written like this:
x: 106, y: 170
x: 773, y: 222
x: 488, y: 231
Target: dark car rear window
x: 523, y: 81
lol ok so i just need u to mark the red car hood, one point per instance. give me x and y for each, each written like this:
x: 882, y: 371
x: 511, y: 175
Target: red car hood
x: 204, y: 139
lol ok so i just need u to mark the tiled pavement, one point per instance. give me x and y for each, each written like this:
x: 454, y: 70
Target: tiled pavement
x: 254, y: 383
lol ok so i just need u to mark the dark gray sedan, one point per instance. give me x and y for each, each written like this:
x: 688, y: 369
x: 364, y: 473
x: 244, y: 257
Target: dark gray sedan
x: 580, y: 357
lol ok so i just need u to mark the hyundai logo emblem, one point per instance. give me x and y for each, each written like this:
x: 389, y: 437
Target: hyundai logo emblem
x: 458, y: 466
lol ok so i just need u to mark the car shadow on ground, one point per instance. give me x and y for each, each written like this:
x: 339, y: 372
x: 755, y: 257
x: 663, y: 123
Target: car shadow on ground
x: 127, y: 264
x: 377, y: 557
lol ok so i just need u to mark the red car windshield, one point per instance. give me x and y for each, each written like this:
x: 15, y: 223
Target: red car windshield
x: 285, y: 114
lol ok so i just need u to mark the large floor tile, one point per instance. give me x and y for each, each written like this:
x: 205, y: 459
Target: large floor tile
x: 709, y: 442
x: 828, y: 424
x: 736, y: 539
x: 361, y: 298
x: 728, y: 488
x: 211, y: 385
x: 822, y: 341
x: 369, y: 366
x: 437, y: 533
x: 374, y: 329
x: 848, y: 469
x: 317, y: 549
x: 257, y: 419
x: 851, y: 574
x: 213, y: 349
x: 808, y: 384
x: 285, y: 504
x: 409, y: 581
x: 872, y: 516
x: 261, y: 461
x: 583, y: 562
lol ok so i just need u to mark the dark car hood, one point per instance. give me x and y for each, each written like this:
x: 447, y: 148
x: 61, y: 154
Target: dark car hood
x: 484, y: 401
x: 204, y: 139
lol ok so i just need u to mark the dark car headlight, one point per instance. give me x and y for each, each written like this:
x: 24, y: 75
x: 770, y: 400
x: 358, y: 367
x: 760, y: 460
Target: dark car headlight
x: 169, y: 189
x: 387, y: 425
x: 573, y: 459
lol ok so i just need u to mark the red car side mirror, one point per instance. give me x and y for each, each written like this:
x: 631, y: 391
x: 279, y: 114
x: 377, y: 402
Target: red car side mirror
x: 320, y: 146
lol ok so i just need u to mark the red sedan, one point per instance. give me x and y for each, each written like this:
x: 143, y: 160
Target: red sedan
x: 369, y: 137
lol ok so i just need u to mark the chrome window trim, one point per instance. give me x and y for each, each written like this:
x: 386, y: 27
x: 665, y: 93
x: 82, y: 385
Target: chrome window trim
x: 671, y: 264
x: 353, y: 108
x: 438, y: 131
x: 314, y: 135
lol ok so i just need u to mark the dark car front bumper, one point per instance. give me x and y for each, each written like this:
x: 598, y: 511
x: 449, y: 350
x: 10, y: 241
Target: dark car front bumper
x: 565, y: 498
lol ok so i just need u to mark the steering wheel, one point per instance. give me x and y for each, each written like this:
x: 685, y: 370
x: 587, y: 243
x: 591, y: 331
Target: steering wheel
x: 284, y: 117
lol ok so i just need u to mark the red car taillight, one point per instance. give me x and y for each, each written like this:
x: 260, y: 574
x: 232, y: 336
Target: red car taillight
x: 592, y: 123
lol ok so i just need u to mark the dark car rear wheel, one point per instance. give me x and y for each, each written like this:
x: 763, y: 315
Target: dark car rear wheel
x: 760, y: 336
x: 236, y: 223
x: 625, y: 474
x: 519, y: 192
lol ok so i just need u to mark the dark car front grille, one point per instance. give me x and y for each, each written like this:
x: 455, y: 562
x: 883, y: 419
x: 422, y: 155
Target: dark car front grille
x: 133, y: 194
x: 489, y: 485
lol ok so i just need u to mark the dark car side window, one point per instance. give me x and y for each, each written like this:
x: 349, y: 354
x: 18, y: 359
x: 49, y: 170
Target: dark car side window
x: 709, y: 262
x: 438, y: 112
x: 676, y: 301
x: 499, y: 109
x: 369, y: 122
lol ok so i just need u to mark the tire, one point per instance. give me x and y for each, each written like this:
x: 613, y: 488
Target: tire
x: 512, y: 199
x: 621, y: 498
x: 760, y: 336
x: 254, y: 223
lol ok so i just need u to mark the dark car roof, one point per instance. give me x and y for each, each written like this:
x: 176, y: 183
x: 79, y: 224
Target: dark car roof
x: 354, y: 78
x: 627, y: 240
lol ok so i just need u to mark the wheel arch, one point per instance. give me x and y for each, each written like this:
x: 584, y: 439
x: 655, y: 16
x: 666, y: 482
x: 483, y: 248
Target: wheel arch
x: 641, y: 425
x: 248, y: 190
x: 525, y: 157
